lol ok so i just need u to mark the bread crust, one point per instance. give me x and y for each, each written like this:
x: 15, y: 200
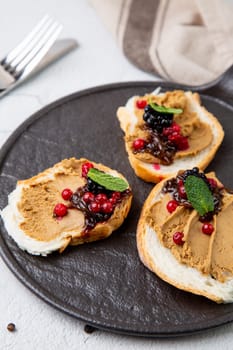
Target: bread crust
x: 148, y: 172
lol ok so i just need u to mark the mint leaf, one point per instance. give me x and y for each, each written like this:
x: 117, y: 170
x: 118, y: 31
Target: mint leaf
x: 199, y: 194
x: 163, y: 109
x: 108, y: 181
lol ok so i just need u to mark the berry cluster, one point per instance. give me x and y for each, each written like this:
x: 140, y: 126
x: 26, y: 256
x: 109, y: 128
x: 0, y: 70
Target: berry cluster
x: 195, y: 172
x: 101, y: 203
x: 96, y: 202
x: 173, y: 133
x: 95, y: 188
x: 164, y: 138
x: 157, y: 120
x: 97, y: 205
x: 176, y: 187
x: 213, y: 187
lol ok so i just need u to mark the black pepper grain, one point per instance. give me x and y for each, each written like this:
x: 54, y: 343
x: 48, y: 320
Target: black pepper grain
x: 11, y: 327
x: 89, y: 329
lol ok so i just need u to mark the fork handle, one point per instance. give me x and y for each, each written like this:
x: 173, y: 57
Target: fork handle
x: 59, y: 48
x: 6, y: 79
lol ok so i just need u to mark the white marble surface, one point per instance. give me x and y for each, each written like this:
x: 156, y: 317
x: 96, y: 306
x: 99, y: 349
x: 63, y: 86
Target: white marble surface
x: 97, y: 61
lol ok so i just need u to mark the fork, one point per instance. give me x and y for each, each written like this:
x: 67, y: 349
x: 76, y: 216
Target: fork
x: 22, y: 61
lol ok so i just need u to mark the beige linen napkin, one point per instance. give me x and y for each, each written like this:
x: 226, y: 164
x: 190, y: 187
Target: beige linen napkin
x: 187, y: 41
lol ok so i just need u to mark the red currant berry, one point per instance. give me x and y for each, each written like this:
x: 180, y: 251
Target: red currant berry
x: 171, y: 206
x: 182, y: 192
x: 207, y: 228
x: 112, y: 200
x: 107, y: 207
x: 178, y: 238
x: 66, y: 194
x: 213, y: 183
x: 180, y: 182
x: 60, y: 209
x: 175, y: 138
x: 176, y: 127
x: 86, y: 167
x: 88, y: 197
x: 167, y: 131
x: 183, y: 143
x: 175, y: 134
x: 116, y: 195
x: 138, y: 144
x: 141, y: 104
x: 94, y: 207
x: 101, y: 198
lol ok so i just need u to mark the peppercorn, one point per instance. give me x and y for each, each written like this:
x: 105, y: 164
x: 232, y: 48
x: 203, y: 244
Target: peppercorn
x: 11, y: 327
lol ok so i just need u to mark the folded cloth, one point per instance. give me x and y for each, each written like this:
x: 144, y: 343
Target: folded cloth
x: 187, y: 41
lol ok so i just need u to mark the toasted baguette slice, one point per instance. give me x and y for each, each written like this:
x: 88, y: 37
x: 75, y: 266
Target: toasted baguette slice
x: 29, y: 219
x: 160, y: 260
x: 147, y: 171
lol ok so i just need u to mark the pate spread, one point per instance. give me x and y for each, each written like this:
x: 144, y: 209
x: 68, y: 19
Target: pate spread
x: 209, y: 253
x: 39, y: 199
x: 198, y: 133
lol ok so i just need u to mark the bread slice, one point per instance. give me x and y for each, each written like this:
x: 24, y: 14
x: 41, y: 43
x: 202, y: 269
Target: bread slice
x: 151, y: 172
x: 29, y: 215
x: 164, y: 263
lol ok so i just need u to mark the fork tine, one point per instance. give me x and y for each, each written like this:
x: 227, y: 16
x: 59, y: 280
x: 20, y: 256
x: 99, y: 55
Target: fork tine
x: 35, y: 56
x: 14, y: 53
x: 30, y: 46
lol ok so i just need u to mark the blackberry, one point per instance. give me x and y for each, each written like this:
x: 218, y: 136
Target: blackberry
x: 157, y: 120
x: 90, y: 221
x: 207, y: 217
x: 194, y: 172
x: 94, y: 187
x: 102, y: 217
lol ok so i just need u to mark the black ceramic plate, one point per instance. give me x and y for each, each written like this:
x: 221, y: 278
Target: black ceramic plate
x: 104, y: 283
